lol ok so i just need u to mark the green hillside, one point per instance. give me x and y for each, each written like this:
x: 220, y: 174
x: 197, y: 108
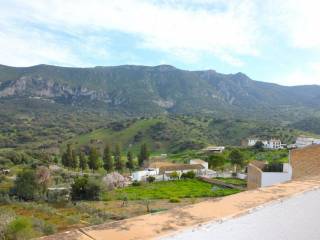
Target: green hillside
x: 174, y: 134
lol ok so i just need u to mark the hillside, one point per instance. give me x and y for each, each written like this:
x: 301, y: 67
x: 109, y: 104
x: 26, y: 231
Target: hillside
x: 174, y: 134
x: 144, y: 91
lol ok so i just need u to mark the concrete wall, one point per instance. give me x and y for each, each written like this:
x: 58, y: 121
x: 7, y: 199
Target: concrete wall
x: 305, y: 161
x: 254, y: 177
x: 257, y: 178
x: 271, y: 178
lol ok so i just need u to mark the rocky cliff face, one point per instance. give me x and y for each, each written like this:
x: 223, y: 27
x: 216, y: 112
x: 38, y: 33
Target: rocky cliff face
x: 41, y: 87
x: 145, y: 90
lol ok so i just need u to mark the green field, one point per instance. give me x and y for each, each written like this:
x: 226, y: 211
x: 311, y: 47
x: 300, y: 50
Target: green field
x: 171, y: 189
x: 234, y: 181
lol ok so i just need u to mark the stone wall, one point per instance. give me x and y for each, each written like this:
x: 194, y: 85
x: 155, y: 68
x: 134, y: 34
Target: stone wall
x: 305, y: 161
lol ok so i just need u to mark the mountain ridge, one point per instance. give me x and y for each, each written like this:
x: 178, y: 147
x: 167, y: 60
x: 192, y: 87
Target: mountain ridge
x: 161, y: 89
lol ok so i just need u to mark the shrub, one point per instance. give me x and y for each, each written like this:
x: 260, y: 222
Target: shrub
x: 174, y: 200
x: 174, y: 175
x: 190, y: 175
x: 60, y: 196
x: 26, y: 186
x: 151, y: 179
x: 43, y: 226
x: 20, y: 228
x: 4, y: 196
x: 6, y: 216
x: 84, y: 188
x: 136, y: 183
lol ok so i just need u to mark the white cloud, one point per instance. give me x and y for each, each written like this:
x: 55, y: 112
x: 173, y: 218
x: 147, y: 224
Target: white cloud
x: 297, y: 20
x: 172, y: 26
x: 308, y: 75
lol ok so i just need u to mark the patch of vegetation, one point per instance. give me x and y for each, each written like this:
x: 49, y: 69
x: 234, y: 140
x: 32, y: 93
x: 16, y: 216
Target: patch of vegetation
x: 234, y: 181
x: 172, y: 189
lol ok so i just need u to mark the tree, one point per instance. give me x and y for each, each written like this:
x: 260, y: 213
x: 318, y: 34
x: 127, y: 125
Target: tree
x: 93, y: 159
x: 236, y: 158
x: 43, y: 178
x: 174, y: 175
x: 67, y: 157
x: 189, y: 174
x: 108, y: 163
x: 130, y: 163
x: 117, y: 158
x: 144, y: 154
x: 216, y: 161
x: 82, y: 161
x: 258, y: 146
x: 84, y: 188
x: 74, y: 159
x: 26, y: 185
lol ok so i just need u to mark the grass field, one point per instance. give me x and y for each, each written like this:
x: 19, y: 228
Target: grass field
x: 171, y: 189
x: 234, y: 181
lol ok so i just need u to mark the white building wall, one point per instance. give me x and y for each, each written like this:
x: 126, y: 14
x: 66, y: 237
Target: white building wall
x: 271, y: 178
x: 142, y: 175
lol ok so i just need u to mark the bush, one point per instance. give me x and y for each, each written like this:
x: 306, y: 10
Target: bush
x: 60, y: 196
x: 4, y: 196
x: 43, y: 226
x: 136, y: 183
x: 174, y: 175
x: 151, y: 179
x: 20, y: 228
x: 190, y: 175
x: 6, y: 216
x: 84, y: 188
x: 26, y: 186
x: 174, y: 200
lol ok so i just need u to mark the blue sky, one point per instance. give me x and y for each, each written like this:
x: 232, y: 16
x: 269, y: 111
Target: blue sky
x: 272, y: 40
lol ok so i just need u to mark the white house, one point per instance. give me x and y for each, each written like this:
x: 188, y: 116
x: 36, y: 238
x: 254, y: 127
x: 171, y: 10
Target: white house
x: 199, y: 161
x: 166, y: 171
x: 142, y: 175
x: 303, y: 141
x: 214, y: 149
x: 268, y: 144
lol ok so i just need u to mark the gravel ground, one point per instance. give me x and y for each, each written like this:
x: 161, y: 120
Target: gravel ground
x: 296, y: 218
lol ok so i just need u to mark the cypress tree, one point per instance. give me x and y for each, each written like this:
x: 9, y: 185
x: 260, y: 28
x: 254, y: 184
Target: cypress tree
x: 93, y: 159
x: 117, y: 158
x: 144, y: 154
x: 67, y: 157
x: 82, y: 161
x: 74, y: 159
x: 130, y: 164
x: 108, y: 163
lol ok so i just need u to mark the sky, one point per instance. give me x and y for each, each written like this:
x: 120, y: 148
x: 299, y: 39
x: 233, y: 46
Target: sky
x: 269, y: 40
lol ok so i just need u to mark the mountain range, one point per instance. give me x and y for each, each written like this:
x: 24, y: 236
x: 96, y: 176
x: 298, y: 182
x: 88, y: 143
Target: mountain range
x: 143, y: 90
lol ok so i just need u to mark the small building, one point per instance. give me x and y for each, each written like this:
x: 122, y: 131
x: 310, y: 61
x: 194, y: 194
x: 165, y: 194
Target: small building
x: 166, y: 171
x: 144, y: 174
x: 303, y: 141
x: 199, y: 161
x: 214, y: 149
x: 261, y: 174
x: 268, y: 144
